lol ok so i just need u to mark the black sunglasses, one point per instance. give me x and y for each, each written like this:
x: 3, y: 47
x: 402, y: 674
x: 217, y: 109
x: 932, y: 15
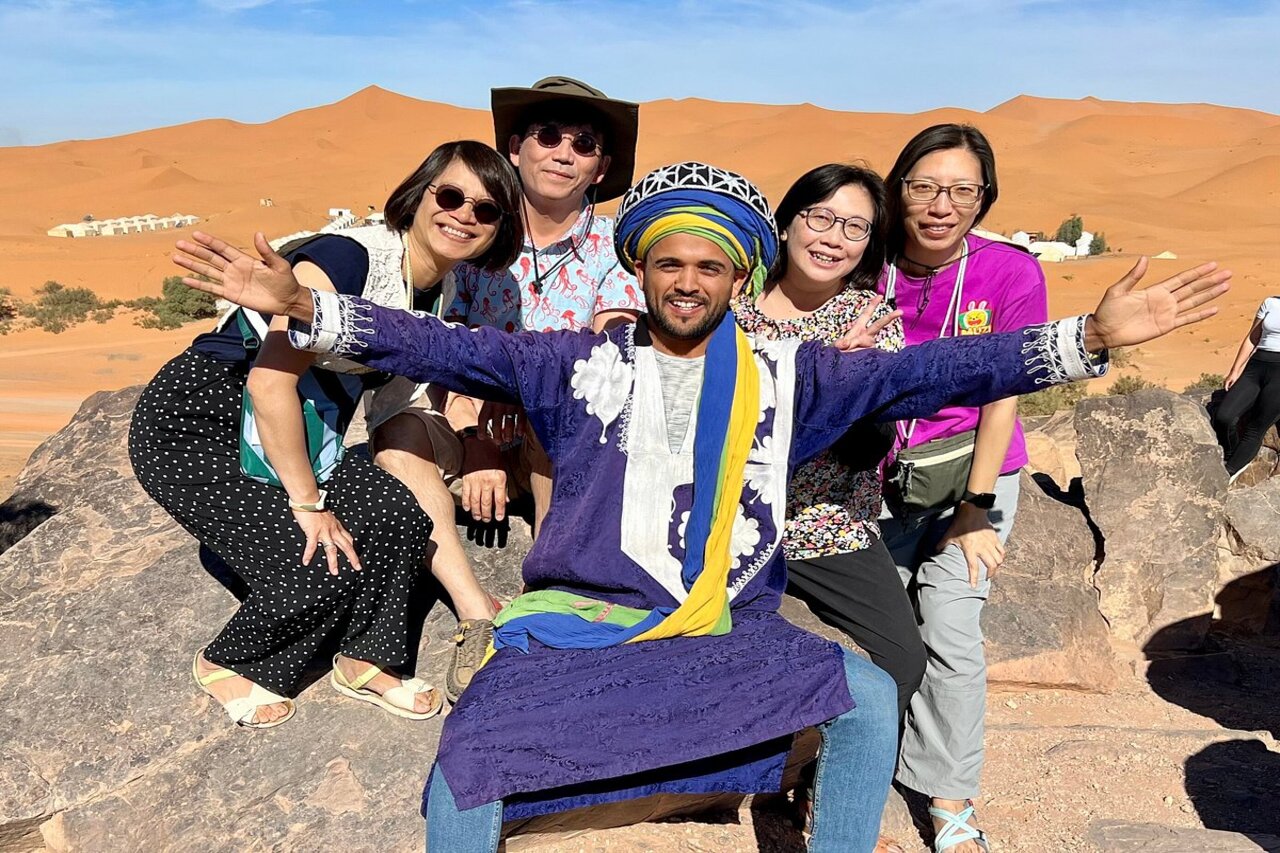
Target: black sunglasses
x: 450, y: 197
x: 583, y: 142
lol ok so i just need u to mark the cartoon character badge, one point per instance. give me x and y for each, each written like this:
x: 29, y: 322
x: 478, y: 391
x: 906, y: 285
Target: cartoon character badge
x: 976, y: 319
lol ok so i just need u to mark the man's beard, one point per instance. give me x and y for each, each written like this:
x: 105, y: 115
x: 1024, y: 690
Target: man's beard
x: 658, y: 320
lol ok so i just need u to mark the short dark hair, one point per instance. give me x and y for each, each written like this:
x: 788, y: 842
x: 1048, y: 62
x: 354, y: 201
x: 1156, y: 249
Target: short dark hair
x: 821, y: 183
x: 566, y: 114
x: 939, y: 137
x: 499, y: 180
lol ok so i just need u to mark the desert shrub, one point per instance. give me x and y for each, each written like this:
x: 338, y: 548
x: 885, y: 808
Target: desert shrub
x: 56, y: 307
x: 1206, y: 384
x: 1050, y: 400
x: 143, y: 303
x: 1098, y: 244
x: 1120, y: 357
x: 8, y: 310
x: 1129, y: 384
x: 177, y: 305
x: 8, y: 305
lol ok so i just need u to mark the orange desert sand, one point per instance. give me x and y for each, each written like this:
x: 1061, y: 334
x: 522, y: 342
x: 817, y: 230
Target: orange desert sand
x: 1200, y: 181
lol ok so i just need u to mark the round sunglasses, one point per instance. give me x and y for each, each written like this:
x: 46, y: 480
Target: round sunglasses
x: 583, y: 142
x: 451, y: 198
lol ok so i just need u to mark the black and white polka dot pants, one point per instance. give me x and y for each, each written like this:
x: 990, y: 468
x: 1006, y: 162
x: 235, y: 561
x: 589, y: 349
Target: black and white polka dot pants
x: 184, y: 446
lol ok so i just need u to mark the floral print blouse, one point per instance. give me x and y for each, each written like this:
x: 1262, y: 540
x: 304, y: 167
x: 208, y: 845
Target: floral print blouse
x: 831, y: 508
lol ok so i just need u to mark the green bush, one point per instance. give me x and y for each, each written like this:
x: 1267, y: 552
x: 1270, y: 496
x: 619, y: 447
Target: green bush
x: 1070, y: 230
x: 1050, y: 400
x: 1206, y: 384
x: 1129, y: 384
x: 177, y: 306
x: 1098, y: 244
x: 56, y: 307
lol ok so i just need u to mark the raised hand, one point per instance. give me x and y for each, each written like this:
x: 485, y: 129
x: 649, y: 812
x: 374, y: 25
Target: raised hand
x: 1127, y: 316
x: 863, y: 332
x: 267, y: 285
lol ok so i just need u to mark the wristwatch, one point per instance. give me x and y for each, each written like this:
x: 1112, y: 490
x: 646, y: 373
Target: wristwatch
x: 982, y: 500
x: 318, y: 506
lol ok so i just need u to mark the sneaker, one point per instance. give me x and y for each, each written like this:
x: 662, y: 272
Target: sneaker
x: 470, y: 643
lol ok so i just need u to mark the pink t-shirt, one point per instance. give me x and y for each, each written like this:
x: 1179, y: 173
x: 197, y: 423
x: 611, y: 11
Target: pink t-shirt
x: 1003, y: 290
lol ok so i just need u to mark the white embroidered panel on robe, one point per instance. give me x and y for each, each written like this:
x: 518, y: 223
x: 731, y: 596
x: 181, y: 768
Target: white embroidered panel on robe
x: 653, y: 473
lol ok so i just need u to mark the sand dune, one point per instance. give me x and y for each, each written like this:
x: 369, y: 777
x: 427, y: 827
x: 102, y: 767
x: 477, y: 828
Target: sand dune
x: 1196, y: 179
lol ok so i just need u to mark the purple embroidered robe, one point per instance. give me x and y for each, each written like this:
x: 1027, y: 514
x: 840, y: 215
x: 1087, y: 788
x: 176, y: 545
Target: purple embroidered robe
x: 553, y: 729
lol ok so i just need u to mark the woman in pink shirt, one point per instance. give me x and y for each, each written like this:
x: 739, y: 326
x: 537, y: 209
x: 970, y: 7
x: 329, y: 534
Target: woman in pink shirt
x: 948, y: 281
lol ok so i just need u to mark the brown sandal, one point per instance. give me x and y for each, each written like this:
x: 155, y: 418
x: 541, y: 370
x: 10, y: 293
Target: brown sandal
x: 470, y: 644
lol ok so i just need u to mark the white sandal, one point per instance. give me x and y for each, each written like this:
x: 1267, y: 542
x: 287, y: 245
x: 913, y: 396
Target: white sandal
x: 399, y: 700
x: 242, y: 710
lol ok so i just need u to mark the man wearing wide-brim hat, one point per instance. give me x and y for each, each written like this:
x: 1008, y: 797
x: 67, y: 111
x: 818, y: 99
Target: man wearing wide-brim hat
x: 573, y: 147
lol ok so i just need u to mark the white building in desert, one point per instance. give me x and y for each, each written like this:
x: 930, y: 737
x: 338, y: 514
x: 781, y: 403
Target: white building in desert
x: 123, y: 225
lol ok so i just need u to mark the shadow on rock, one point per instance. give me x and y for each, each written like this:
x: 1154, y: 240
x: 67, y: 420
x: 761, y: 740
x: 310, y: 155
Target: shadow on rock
x: 20, y: 516
x: 1231, y: 678
x: 1235, y: 785
x: 1234, y: 679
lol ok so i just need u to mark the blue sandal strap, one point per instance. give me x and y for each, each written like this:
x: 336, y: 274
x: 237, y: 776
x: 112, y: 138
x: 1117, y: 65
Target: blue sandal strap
x: 957, y: 829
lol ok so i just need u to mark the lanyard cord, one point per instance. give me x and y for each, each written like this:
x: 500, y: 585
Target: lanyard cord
x: 574, y: 245
x: 952, y: 315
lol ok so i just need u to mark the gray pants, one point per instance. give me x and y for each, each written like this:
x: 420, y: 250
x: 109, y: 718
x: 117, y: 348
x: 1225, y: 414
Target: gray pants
x: 942, y: 748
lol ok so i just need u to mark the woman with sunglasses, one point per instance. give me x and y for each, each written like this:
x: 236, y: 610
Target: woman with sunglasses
x: 948, y: 281
x: 331, y: 561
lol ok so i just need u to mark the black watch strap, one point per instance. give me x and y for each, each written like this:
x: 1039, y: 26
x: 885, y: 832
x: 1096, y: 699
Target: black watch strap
x: 982, y: 500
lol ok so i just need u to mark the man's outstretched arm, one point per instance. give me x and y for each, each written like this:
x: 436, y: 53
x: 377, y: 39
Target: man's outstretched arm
x: 835, y: 390
x: 480, y: 362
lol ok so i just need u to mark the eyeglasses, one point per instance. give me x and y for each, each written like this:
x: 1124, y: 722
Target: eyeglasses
x: 961, y: 195
x: 451, y: 198
x: 583, y: 142
x: 820, y: 219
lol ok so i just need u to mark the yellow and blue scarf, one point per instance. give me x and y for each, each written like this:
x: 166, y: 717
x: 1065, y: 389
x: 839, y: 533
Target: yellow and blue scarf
x: 686, y: 198
x: 728, y: 411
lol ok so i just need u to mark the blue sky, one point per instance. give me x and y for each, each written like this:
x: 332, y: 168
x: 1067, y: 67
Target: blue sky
x: 91, y: 68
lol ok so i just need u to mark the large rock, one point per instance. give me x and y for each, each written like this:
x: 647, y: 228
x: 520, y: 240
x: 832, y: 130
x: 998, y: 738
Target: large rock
x: 1154, y: 484
x: 109, y: 746
x: 1051, y: 446
x: 1254, y: 517
x: 1117, y: 836
x: 1042, y: 624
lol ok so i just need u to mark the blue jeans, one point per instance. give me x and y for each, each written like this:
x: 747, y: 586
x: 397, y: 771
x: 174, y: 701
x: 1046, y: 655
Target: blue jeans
x: 450, y: 830
x: 855, y: 767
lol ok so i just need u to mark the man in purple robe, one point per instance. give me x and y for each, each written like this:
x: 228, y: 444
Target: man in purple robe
x: 580, y: 704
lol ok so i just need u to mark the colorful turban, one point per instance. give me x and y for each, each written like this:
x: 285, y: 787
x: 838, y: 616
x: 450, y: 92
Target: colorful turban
x: 694, y: 198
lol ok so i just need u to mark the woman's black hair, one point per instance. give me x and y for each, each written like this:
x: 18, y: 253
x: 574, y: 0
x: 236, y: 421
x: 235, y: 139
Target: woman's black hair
x: 820, y: 184
x: 939, y: 137
x: 497, y: 176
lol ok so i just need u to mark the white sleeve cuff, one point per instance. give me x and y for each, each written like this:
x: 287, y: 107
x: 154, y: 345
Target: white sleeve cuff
x: 1056, y: 350
x: 331, y: 330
